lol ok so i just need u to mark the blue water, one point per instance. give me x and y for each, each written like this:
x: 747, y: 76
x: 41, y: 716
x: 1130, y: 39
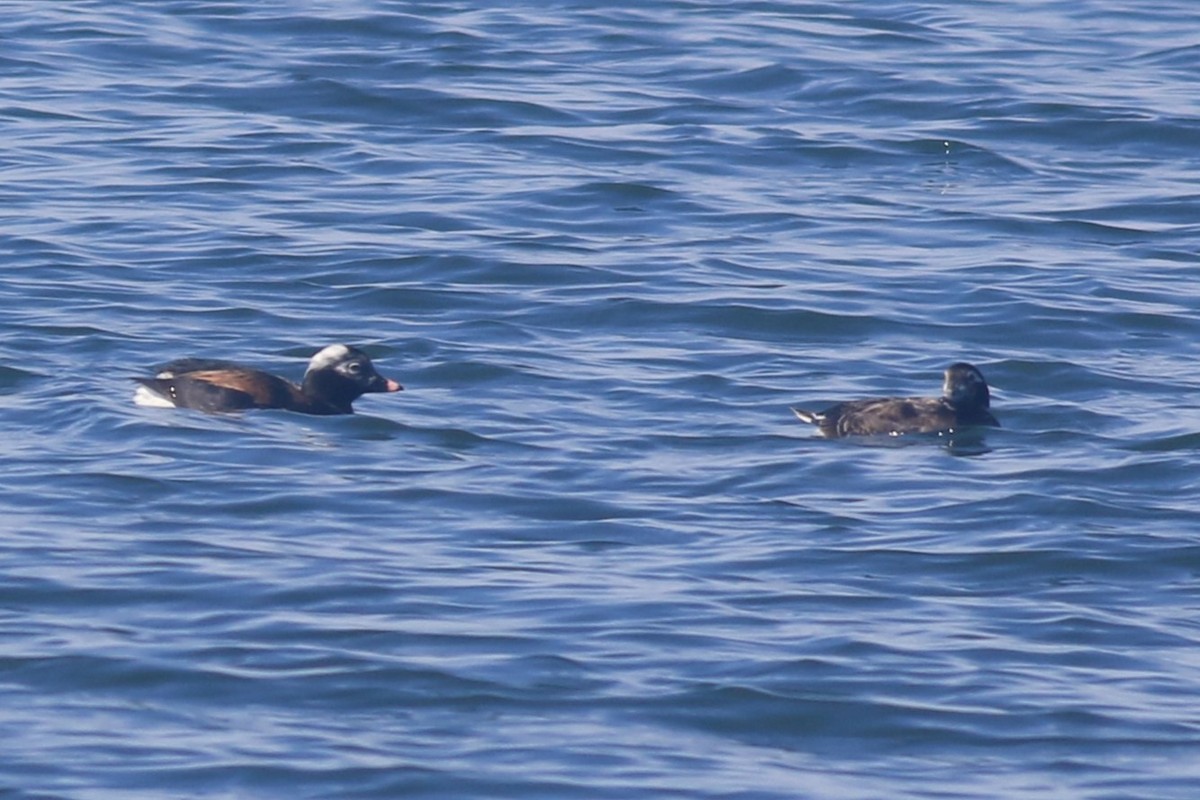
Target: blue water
x: 589, y: 552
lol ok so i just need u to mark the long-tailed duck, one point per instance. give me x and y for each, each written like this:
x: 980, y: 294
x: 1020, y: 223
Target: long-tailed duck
x: 964, y: 402
x: 336, y: 377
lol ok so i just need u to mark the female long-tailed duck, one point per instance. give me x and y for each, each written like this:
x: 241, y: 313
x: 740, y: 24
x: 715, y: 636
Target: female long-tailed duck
x: 964, y: 402
x: 336, y: 377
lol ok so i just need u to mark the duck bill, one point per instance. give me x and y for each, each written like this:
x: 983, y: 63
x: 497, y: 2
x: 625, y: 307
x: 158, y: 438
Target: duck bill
x: 391, y: 386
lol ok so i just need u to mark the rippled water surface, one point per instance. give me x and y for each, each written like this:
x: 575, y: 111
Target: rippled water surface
x: 589, y: 552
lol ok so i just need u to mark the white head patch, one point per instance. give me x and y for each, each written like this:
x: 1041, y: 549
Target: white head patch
x: 328, y: 357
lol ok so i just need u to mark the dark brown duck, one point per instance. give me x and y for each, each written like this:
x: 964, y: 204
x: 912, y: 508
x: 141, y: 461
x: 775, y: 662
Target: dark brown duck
x: 965, y: 402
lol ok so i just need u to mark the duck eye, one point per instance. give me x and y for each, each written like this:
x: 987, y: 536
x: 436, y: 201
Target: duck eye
x: 354, y: 367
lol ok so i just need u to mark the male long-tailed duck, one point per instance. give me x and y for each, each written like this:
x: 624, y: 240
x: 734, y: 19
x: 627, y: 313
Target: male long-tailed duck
x: 964, y: 402
x: 336, y: 377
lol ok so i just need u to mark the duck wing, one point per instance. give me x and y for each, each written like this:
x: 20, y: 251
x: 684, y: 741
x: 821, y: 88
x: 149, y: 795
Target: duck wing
x: 883, y: 416
x: 229, y: 389
x: 181, y: 366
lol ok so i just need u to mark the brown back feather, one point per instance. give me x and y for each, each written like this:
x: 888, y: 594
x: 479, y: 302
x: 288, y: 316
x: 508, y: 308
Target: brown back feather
x: 265, y: 389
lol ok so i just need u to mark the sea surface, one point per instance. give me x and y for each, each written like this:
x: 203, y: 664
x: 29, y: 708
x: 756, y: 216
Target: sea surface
x: 589, y: 552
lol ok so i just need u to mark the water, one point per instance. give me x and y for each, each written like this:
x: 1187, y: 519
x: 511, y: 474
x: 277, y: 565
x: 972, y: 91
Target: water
x: 589, y: 552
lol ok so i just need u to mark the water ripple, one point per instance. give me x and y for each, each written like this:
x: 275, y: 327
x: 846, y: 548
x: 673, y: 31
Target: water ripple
x: 589, y: 552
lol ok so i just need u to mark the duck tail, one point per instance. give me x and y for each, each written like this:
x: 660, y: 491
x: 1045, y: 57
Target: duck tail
x: 811, y: 417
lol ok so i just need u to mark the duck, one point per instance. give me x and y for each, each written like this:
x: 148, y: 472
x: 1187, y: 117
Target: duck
x: 965, y: 402
x: 336, y: 376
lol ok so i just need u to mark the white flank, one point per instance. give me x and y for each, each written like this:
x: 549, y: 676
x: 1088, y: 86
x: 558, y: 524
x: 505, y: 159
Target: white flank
x: 145, y: 396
